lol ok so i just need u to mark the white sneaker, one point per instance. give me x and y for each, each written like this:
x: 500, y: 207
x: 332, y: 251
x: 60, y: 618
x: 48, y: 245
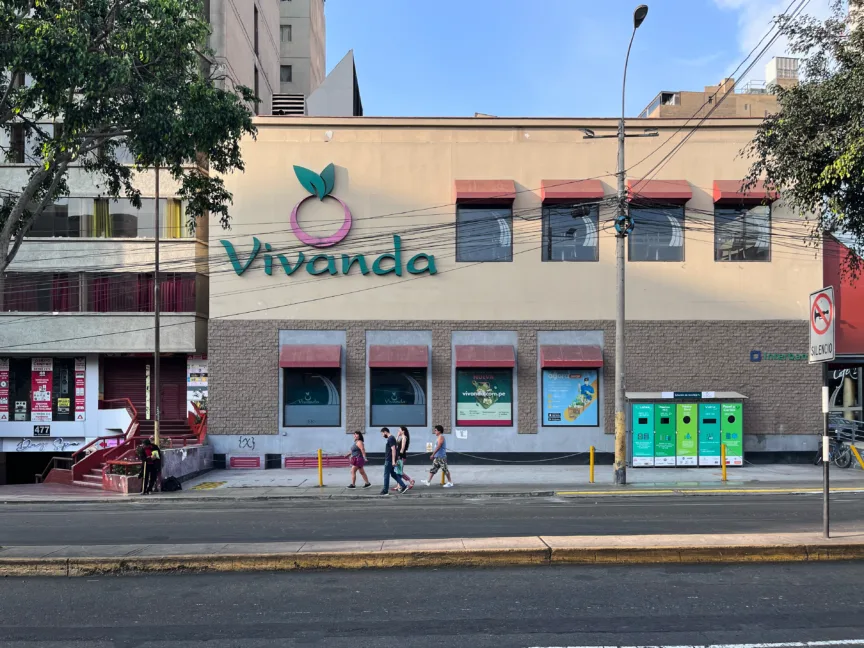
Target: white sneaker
x: 448, y: 485
x: 425, y: 482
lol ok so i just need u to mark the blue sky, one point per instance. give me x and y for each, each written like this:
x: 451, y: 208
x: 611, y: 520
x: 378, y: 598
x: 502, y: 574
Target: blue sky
x: 538, y: 58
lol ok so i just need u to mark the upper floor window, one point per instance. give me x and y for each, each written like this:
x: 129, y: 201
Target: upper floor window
x: 286, y: 74
x: 255, y: 29
x: 570, y: 232
x: 42, y: 292
x: 484, y: 233
x: 104, y: 218
x: 658, y: 233
x: 255, y: 90
x: 285, y: 33
x: 742, y: 233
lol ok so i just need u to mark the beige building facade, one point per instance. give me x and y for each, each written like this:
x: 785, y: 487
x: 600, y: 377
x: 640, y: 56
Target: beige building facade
x: 491, y: 241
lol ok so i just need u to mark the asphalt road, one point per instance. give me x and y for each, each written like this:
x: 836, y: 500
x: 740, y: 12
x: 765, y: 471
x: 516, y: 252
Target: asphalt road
x: 568, y: 606
x: 272, y: 521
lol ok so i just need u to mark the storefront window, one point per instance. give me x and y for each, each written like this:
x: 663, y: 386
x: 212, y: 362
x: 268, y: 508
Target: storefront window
x: 658, y: 234
x: 45, y: 390
x: 571, y: 397
x: 484, y: 398
x: 398, y: 397
x: 570, y: 232
x: 844, y: 388
x: 484, y: 234
x: 312, y: 397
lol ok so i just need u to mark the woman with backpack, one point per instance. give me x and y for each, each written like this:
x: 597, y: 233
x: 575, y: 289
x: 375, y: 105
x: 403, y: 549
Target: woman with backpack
x: 403, y: 441
x: 358, y: 460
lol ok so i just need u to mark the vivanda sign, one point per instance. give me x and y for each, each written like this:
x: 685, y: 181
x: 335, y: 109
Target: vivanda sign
x: 320, y: 186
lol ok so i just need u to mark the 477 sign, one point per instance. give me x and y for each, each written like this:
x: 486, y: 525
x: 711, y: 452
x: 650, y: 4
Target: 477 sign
x: 822, y: 318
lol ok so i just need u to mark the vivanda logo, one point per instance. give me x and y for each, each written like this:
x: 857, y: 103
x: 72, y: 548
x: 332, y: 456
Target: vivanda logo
x: 321, y: 186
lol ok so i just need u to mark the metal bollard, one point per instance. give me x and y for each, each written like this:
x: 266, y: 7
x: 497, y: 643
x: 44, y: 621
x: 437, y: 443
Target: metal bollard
x: 320, y: 468
x: 591, y: 466
x: 723, y: 460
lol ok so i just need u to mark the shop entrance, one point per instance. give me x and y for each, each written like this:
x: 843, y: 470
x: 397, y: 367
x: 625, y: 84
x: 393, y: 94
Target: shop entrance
x: 22, y: 467
x: 126, y: 377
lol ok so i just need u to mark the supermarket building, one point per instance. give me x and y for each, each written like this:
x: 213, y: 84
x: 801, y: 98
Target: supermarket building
x: 462, y: 272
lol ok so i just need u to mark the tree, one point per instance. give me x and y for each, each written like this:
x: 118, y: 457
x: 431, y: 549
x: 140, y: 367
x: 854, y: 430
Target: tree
x: 80, y: 78
x: 812, y: 150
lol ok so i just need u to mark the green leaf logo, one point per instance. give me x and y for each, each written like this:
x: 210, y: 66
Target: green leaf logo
x: 311, y: 181
x: 317, y: 185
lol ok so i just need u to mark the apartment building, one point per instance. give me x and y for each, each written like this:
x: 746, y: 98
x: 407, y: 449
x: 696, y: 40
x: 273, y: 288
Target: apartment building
x: 753, y: 99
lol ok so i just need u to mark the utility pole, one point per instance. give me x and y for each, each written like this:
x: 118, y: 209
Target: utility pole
x: 623, y: 227
x: 156, y: 386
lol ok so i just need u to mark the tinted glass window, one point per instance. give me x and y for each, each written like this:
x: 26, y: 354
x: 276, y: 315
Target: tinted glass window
x: 570, y: 232
x: 398, y: 397
x: 658, y: 234
x: 312, y: 397
x: 742, y: 234
x: 484, y: 234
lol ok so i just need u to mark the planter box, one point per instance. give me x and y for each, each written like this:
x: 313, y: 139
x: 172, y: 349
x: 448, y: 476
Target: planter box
x: 122, y: 484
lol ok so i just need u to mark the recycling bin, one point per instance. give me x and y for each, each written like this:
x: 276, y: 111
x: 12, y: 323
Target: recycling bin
x: 686, y: 434
x: 664, y: 434
x: 643, y: 434
x: 709, y: 434
x: 732, y: 432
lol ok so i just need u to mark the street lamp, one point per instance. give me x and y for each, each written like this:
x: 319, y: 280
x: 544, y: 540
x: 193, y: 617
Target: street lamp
x: 623, y: 226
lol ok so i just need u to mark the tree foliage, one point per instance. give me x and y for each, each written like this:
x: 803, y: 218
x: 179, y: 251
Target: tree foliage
x: 81, y: 78
x: 812, y: 150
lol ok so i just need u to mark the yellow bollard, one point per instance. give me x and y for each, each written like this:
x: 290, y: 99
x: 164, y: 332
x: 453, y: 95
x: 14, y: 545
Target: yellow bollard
x: 723, y: 460
x: 320, y: 468
x: 591, y: 466
x: 857, y: 454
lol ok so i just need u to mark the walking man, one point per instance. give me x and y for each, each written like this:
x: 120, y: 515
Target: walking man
x: 439, y: 459
x: 390, y: 457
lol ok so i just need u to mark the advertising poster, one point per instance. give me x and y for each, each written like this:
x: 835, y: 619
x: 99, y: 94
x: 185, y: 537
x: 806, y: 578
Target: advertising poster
x: 4, y: 389
x: 687, y: 435
x: 571, y: 397
x: 80, y: 394
x: 196, y: 383
x: 643, y: 434
x: 42, y: 378
x: 664, y: 434
x: 484, y: 397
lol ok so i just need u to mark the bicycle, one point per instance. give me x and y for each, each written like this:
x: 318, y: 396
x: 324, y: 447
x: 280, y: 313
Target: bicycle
x: 838, y: 453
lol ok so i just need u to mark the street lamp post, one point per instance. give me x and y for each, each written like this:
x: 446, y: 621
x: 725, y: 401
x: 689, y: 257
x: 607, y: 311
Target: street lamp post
x: 623, y: 226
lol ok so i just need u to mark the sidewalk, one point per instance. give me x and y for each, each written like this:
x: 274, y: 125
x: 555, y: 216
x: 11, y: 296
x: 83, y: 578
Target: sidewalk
x: 453, y: 552
x: 473, y: 481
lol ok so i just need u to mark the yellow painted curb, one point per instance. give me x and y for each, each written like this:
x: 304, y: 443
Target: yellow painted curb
x: 499, y: 557
x: 706, y: 491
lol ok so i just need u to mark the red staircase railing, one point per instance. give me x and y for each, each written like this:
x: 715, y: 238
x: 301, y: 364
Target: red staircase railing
x: 85, y: 462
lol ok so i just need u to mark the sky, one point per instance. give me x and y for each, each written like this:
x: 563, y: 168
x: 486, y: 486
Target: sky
x: 537, y: 58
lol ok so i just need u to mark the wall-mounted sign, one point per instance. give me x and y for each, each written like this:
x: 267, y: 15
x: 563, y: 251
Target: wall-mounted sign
x: 694, y: 395
x: 822, y: 324
x: 4, y: 389
x: 759, y: 356
x: 484, y: 398
x: 42, y: 379
x: 80, y: 388
x: 41, y: 430
x: 571, y: 398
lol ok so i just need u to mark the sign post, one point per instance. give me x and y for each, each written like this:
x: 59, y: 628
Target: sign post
x: 823, y: 315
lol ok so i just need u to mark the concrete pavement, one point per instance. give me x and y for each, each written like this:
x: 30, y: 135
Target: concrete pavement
x: 451, y: 552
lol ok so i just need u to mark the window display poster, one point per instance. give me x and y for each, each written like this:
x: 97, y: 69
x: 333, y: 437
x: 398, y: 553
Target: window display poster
x: 4, y: 389
x: 196, y: 383
x: 80, y: 389
x: 571, y: 397
x: 42, y: 378
x: 484, y: 397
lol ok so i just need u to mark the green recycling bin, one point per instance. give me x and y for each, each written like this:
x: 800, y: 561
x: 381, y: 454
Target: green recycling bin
x: 664, y: 434
x: 687, y: 434
x: 709, y: 434
x: 643, y: 434
x: 732, y: 432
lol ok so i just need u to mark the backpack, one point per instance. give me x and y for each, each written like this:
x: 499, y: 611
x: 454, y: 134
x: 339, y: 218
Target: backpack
x: 171, y: 484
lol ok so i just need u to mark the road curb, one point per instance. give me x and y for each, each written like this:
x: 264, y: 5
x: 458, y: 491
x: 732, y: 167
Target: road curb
x: 485, y: 557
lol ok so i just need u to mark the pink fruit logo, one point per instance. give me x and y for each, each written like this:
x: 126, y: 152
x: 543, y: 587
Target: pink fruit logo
x: 320, y: 186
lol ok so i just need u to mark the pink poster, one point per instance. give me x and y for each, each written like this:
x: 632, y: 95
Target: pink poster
x: 42, y: 378
x: 80, y: 401
x: 4, y: 389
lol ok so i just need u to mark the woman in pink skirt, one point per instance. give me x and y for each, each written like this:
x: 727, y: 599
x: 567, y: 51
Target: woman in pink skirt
x: 358, y: 460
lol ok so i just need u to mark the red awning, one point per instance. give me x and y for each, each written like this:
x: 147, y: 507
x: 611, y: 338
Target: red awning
x: 485, y: 356
x: 403, y: 357
x: 667, y: 191
x: 570, y: 356
x: 310, y: 356
x: 488, y: 192
x: 553, y: 191
x: 730, y: 191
